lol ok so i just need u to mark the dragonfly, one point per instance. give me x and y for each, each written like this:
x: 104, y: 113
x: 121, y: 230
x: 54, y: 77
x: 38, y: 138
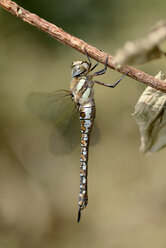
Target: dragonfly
x: 73, y: 111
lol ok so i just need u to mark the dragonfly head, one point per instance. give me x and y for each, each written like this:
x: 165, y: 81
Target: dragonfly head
x: 80, y: 68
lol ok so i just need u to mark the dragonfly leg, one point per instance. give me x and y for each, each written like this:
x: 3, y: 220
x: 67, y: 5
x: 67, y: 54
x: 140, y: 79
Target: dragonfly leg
x: 101, y: 72
x: 94, y: 66
x: 111, y: 85
x: 90, y: 63
x: 91, y: 69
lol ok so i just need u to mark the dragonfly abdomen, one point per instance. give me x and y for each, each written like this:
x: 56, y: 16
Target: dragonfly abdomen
x: 87, y: 115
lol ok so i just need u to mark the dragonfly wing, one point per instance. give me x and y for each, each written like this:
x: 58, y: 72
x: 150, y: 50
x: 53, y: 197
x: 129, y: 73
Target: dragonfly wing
x: 58, y: 108
x: 51, y: 106
x: 95, y: 135
x: 67, y: 135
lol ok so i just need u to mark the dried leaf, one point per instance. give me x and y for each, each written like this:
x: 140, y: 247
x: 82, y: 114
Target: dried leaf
x: 151, y: 47
x: 150, y: 115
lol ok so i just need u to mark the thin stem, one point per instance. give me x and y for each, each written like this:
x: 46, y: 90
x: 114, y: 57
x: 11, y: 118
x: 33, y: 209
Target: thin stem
x: 80, y: 45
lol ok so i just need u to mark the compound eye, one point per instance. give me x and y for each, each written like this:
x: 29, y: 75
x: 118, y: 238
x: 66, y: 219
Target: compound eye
x: 76, y: 63
x: 85, y: 65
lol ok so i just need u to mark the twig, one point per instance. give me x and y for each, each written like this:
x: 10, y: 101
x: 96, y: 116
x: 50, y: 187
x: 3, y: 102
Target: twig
x: 80, y: 45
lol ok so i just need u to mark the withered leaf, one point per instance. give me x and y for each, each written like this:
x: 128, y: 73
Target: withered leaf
x: 150, y: 115
x: 146, y: 49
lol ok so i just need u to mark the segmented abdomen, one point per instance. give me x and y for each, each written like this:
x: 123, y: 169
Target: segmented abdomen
x: 87, y: 115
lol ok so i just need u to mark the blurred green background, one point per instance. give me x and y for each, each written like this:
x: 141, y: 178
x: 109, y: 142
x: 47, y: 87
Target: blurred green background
x: 39, y: 191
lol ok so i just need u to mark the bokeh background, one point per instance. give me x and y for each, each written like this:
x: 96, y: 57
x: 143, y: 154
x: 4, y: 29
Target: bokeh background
x: 39, y: 191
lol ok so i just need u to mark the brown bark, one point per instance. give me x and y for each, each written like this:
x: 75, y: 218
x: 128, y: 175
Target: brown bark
x: 80, y: 45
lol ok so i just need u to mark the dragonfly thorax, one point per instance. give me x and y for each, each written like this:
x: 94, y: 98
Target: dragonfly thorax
x: 81, y: 85
x: 80, y: 68
x: 82, y: 90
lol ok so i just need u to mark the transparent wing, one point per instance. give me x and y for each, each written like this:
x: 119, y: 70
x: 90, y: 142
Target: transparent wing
x: 51, y: 106
x: 59, y: 108
x: 67, y: 134
x: 95, y: 135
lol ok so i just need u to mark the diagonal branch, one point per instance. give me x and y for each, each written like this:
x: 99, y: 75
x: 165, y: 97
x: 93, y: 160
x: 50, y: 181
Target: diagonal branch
x: 80, y: 45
